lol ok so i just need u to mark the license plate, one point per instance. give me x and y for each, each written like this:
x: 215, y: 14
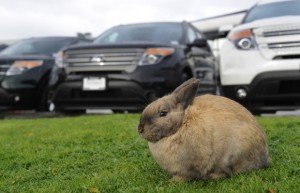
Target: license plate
x: 94, y: 83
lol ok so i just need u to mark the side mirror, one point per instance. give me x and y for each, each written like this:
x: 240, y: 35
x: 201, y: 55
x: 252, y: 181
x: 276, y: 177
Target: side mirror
x: 199, y: 43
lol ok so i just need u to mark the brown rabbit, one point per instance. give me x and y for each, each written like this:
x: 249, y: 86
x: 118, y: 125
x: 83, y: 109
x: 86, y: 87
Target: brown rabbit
x: 202, y: 137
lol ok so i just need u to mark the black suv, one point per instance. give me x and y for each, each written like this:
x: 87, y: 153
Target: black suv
x: 128, y: 66
x: 25, y: 67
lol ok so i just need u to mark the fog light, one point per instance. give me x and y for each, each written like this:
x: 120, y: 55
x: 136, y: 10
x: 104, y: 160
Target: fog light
x: 241, y: 93
x: 17, y: 98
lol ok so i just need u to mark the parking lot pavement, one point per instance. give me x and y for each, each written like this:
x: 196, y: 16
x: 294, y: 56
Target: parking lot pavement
x: 284, y: 113
x: 27, y: 114
x: 34, y: 115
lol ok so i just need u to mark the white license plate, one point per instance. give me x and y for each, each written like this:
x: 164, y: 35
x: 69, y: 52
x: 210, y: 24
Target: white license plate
x: 94, y: 83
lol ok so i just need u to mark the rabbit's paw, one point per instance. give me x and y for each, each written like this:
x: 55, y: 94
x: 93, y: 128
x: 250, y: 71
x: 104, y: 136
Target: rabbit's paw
x: 177, y: 178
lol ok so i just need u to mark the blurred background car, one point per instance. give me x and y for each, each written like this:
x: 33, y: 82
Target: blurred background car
x: 129, y: 66
x: 25, y: 67
x: 260, y: 58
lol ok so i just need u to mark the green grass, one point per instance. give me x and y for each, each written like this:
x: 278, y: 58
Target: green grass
x: 103, y: 153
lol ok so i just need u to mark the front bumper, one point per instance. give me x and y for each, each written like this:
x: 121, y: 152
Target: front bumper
x: 17, y: 99
x: 269, y: 91
x: 128, y: 91
x: 241, y: 67
x: 120, y: 95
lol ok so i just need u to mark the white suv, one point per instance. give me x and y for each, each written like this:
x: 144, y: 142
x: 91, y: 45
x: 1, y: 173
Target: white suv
x: 260, y: 59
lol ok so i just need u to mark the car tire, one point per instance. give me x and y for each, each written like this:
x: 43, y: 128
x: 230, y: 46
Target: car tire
x: 45, y: 104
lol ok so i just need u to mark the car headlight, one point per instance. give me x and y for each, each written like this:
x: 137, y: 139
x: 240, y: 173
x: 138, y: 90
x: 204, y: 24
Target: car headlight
x: 155, y: 55
x: 18, y: 67
x: 59, y: 59
x: 243, y: 40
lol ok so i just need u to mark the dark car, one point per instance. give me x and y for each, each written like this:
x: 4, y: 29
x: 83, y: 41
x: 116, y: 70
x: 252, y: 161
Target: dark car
x: 128, y: 66
x: 25, y: 67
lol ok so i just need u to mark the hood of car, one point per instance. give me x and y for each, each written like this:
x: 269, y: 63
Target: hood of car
x: 122, y: 45
x: 25, y: 57
x: 269, y: 22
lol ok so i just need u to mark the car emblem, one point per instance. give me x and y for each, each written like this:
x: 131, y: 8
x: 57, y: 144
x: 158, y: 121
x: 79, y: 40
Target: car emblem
x: 98, y: 59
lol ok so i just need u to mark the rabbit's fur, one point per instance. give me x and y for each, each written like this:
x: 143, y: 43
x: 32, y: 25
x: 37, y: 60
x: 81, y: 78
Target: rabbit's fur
x: 202, y: 137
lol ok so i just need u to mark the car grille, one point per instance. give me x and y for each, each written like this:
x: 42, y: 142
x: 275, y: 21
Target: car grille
x: 279, y: 42
x: 102, y: 60
x: 4, y: 66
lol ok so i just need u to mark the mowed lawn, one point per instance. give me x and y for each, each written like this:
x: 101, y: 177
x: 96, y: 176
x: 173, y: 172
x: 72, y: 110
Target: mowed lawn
x: 103, y: 153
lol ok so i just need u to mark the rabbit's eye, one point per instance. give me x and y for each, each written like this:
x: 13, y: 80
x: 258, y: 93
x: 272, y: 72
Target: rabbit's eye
x: 163, y: 113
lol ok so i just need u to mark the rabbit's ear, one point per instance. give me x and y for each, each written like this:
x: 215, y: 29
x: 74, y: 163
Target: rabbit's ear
x: 186, y: 92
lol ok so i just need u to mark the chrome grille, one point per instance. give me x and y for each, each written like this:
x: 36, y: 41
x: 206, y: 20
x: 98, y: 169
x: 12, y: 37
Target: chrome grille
x: 279, y: 41
x: 281, y: 33
x: 102, y: 59
x: 3, y: 68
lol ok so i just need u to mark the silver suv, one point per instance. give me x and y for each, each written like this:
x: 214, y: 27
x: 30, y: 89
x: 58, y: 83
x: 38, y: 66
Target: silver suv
x: 260, y: 59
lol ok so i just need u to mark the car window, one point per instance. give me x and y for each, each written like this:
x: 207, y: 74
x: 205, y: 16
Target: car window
x: 37, y: 46
x: 273, y: 10
x: 162, y: 33
x: 191, y: 35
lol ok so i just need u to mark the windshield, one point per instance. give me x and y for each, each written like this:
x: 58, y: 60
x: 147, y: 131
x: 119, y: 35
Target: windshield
x: 170, y: 33
x: 277, y: 9
x: 44, y: 46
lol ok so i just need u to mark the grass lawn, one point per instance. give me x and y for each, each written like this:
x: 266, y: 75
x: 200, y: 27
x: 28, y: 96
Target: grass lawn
x: 103, y: 153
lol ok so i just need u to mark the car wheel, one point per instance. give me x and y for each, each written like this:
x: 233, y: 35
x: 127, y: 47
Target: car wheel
x: 45, y: 104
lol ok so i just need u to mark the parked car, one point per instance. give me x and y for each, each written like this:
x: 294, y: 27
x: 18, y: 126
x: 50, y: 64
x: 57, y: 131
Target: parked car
x: 260, y: 59
x: 25, y: 67
x: 128, y: 66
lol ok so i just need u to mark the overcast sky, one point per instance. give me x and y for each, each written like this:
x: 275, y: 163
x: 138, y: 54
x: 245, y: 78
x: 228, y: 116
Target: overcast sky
x: 32, y: 18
